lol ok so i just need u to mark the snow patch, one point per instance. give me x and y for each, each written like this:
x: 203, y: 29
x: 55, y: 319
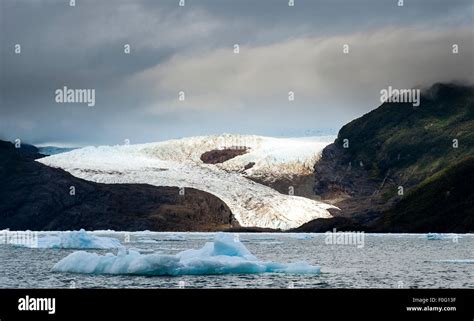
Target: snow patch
x: 225, y: 255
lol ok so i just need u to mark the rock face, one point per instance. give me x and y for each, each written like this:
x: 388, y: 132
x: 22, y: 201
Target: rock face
x: 36, y: 197
x: 403, y: 169
x: 217, y: 156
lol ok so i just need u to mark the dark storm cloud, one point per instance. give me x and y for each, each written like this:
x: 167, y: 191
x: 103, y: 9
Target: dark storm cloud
x: 190, y: 49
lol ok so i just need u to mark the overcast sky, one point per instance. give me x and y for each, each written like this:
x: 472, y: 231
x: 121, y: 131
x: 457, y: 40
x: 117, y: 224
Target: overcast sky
x: 190, y: 49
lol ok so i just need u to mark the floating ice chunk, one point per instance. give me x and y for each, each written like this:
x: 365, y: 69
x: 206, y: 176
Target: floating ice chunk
x: 453, y: 237
x: 105, y: 231
x: 147, y: 241
x: 142, y: 250
x: 260, y: 238
x: 175, y: 237
x: 76, y: 240
x: 466, y: 261
x: 270, y: 242
x: 302, y: 236
x: 226, y: 255
x: 434, y: 236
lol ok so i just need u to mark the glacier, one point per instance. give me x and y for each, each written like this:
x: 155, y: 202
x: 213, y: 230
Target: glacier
x: 76, y: 240
x: 225, y: 255
x: 177, y: 163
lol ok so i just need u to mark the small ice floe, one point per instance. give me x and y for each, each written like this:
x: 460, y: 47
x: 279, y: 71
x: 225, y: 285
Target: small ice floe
x: 225, y: 255
x: 263, y: 239
x: 434, y: 236
x: 301, y: 236
x: 109, y: 231
x: 76, y: 240
x: 463, y: 261
x: 174, y: 238
x: 147, y: 241
x: 270, y: 242
x: 454, y: 237
x: 142, y: 250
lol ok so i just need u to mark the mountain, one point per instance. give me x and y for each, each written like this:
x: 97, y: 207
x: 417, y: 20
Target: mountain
x: 37, y: 197
x: 403, y: 168
x: 442, y: 203
x: 398, y: 168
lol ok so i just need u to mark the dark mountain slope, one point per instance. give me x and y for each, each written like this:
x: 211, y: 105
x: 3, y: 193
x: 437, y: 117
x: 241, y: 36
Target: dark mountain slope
x: 442, y: 203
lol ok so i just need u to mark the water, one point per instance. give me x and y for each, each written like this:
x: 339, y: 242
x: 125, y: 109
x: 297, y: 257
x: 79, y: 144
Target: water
x: 52, y: 150
x: 385, y: 261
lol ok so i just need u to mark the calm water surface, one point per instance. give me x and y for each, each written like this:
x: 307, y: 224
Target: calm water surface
x: 385, y: 261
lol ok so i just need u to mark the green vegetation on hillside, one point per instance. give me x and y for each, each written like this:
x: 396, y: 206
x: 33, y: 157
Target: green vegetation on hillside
x: 399, y: 145
x: 442, y: 203
x: 412, y: 143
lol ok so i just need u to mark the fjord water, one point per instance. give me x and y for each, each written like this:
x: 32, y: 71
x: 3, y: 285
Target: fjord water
x: 385, y: 261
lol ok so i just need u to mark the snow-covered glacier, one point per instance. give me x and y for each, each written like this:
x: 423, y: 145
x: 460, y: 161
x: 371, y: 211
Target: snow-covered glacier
x: 177, y: 163
x: 225, y: 255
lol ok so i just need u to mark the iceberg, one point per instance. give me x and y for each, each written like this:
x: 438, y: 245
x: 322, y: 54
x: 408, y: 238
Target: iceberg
x: 301, y: 236
x: 76, y: 240
x: 225, y: 255
x: 434, y: 236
